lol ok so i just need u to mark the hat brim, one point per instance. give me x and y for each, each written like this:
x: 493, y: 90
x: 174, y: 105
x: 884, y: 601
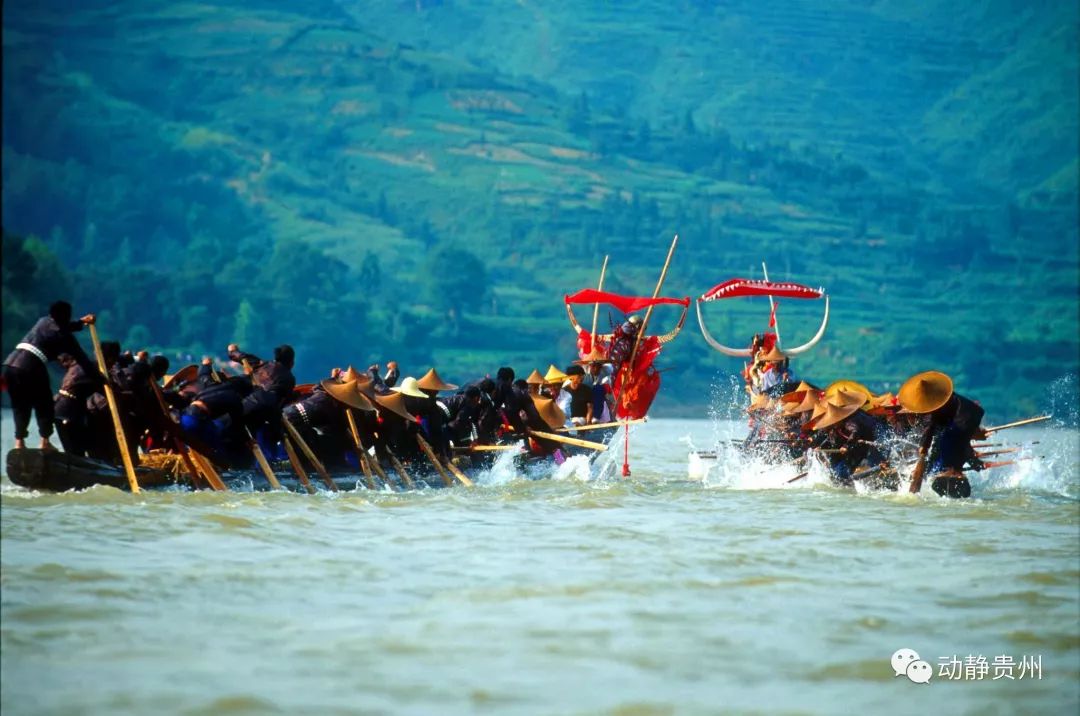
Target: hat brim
x: 402, y: 390
x: 395, y: 404
x: 347, y: 394
x: 835, y: 414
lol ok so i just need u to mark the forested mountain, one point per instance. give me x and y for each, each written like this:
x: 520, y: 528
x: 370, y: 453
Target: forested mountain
x: 424, y: 181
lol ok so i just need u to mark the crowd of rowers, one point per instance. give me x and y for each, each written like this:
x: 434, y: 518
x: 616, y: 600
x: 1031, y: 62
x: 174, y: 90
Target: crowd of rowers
x: 860, y: 435
x: 224, y: 413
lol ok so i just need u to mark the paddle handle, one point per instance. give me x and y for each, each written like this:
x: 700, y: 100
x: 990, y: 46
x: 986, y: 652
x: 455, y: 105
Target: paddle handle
x: 294, y: 460
x: 1017, y: 424
x: 601, y: 426
x: 263, y: 464
x: 114, y: 409
x: 599, y: 447
x: 361, y: 456
x: 400, y: 468
x: 208, y: 471
x: 434, y: 460
x: 648, y: 311
x: 310, y: 454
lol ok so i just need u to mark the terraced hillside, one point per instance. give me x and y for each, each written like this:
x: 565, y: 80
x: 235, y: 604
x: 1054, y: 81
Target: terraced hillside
x: 376, y: 180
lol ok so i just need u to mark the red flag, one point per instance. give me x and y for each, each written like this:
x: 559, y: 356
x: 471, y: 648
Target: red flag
x: 772, y: 315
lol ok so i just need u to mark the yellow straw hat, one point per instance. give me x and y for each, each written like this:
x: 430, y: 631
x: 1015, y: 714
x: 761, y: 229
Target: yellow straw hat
x: 773, y: 356
x: 185, y: 375
x: 350, y: 374
x: 796, y: 396
x: 554, y: 375
x: 595, y: 356
x: 925, y: 392
x: 761, y: 402
x: 809, y: 401
x: 535, y: 378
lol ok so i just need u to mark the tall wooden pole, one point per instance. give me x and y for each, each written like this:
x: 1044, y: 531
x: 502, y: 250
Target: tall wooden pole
x: 121, y: 439
x: 596, y: 306
x: 648, y: 311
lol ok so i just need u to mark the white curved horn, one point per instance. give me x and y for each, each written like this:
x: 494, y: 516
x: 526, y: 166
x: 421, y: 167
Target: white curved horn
x: 733, y: 352
x: 817, y: 337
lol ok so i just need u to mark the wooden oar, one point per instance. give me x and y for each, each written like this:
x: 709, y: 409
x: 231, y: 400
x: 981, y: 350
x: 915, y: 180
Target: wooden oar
x: 649, y: 310
x: 361, y: 454
x: 601, y: 426
x: 261, y: 459
x: 297, y: 467
x: 989, y: 453
x: 1018, y: 423
x: 800, y: 476
x: 310, y: 454
x: 1003, y: 463
x: 196, y: 479
x: 426, y: 448
x: 919, y: 472
x: 121, y: 439
x: 599, y: 447
x: 596, y: 306
x: 208, y: 471
x: 487, y: 448
x: 461, y: 476
x: 399, y: 468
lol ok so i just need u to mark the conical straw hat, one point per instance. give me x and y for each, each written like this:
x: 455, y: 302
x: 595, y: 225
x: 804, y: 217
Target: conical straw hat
x: 760, y: 403
x: 348, y: 394
x: 350, y: 374
x: 796, y: 396
x: 843, y: 397
x: 774, y: 356
x: 851, y: 386
x: 535, y: 378
x: 881, y: 404
x: 810, y: 400
x: 554, y: 375
x: 395, y: 403
x: 549, y: 411
x: 925, y: 392
x: 835, y: 414
x: 432, y: 381
x: 595, y: 356
x: 185, y: 375
x: 409, y: 387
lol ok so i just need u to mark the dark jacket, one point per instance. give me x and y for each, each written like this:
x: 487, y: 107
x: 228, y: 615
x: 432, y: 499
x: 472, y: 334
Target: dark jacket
x: 52, y: 339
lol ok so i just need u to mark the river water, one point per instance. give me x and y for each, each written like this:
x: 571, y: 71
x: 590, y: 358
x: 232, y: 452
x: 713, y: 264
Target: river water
x: 687, y: 588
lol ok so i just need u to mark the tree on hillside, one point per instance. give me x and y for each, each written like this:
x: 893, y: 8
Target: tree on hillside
x: 458, y: 280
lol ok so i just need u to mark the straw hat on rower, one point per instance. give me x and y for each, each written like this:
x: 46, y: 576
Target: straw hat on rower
x: 348, y: 394
x: 839, y: 399
x: 810, y: 400
x: 554, y: 375
x: 409, y: 387
x: 185, y: 375
x: 773, y: 356
x: 760, y: 403
x: 550, y: 412
x: 795, y: 396
x: 350, y: 374
x: 432, y: 381
x: 835, y: 414
x: 395, y: 403
x: 925, y: 392
x: 535, y: 378
x: 850, y: 386
x: 882, y: 404
x: 595, y: 356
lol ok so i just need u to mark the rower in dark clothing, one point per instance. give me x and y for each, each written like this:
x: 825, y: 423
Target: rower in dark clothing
x: 103, y: 445
x: 274, y: 383
x: 463, y: 413
x: 69, y: 407
x: 435, y: 413
x: 320, y: 420
x: 205, y: 417
x: 581, y: 395
x: 945, y: 446
x: 850, y: 436
x: 26, y: 370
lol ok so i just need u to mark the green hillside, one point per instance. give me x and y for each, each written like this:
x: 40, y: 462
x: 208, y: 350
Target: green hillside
x: 391, y: 180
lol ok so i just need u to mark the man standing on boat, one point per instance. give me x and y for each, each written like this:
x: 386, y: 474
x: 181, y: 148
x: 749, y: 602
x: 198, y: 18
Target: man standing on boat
x: 26, y: 373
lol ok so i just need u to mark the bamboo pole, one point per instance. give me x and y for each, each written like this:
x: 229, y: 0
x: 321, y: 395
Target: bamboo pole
x: 178, y: 446
x: 298, y: 468
x: 596, y: 306
x: 121, y: 439
x: 648, y: 311
x: 1017, y: 424
x: 361, y: 455
x: 447, y: 481
x: 487, y: 448
x: 600, y: 426
x: 599, y: 447
x: 461, y: 476
x: 310, y: 454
